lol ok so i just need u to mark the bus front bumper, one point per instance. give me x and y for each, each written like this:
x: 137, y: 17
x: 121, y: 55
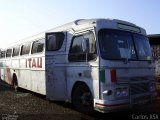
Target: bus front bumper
x: 106, y: 107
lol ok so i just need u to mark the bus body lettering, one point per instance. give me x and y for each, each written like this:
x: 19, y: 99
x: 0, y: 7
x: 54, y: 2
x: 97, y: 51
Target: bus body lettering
x: 34, y: 63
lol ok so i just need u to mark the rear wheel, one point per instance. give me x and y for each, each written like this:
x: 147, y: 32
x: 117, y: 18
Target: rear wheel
x: 15, y: 83
x: 82, y: 99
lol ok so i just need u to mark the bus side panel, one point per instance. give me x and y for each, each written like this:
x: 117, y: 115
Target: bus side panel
x: 15, y: 68
x: 24, y: 78
x: 56, y: 77
x: 8, y: 72
x: 87, y: 73
x: 3, y: 69
x: 38, y: 83
x: 2, y: 74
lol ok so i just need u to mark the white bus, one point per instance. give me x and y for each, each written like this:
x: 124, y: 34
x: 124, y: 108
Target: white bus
x: 97, y: 64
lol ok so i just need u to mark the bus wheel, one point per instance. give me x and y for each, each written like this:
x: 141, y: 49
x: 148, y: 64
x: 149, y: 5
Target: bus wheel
x: 82, y: 99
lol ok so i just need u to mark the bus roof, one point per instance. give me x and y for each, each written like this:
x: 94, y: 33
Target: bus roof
x: 74, y: 25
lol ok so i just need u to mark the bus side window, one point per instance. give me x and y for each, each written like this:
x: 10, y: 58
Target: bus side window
x: 54, y: 41
x: 9, y: 52
x: 15, y: 51
x: 25, y: 49
x: 37, y: 46
x: 3, y: 54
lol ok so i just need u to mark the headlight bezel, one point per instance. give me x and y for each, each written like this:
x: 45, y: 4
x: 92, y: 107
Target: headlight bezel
x: 121, y: 92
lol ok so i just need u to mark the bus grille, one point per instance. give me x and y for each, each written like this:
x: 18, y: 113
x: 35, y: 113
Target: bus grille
x: 139, y: 88
x: 141, y: 100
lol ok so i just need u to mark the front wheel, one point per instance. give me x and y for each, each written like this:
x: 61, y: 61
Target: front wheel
x: 82, y: 99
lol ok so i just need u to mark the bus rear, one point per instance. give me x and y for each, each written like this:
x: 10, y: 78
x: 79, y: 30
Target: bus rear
x: 126, y: 71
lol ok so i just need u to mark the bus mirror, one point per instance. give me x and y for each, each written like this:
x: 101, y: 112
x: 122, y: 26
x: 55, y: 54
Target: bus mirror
x: 85, y: 45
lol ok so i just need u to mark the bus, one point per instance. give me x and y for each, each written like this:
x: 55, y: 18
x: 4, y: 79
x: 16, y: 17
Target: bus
x: 95, y: 64
x: 154, y: 40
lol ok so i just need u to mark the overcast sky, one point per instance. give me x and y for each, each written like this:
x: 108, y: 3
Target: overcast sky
x: 23, y: 18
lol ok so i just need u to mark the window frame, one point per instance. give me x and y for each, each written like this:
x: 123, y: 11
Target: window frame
x: 60, y: 45
x: 137, y: 47
x: 4, y: 54
x: 83, y: 34
x: 9, y: 54
x: 132, y: 34
x: 32, y: 47
x: 17, y: 53
x: 28, y: 49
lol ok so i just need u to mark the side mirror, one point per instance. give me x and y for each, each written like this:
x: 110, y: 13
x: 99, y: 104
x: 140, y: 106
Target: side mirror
x: 85, y: 45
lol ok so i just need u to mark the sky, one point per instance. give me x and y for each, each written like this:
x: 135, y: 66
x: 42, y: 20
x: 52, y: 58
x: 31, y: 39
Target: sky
x: 20, y: 19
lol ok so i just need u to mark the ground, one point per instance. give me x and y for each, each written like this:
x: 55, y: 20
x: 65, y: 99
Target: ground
x: 25, y: 105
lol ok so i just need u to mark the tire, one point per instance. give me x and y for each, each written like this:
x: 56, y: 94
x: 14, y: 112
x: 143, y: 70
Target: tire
x: 82, y: 99
x: 15, y: 83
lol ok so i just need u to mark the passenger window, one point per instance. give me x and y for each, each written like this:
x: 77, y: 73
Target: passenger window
x: 77, y: 53
x: 3, y: 54
x: 37, y: 46
x: 54, y: 41
x: 15, y: 51
x: 9, y: 52
x: 25, y: 49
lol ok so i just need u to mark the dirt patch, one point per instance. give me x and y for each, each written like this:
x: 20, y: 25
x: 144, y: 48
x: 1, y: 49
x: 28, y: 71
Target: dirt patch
x: 25, y: 105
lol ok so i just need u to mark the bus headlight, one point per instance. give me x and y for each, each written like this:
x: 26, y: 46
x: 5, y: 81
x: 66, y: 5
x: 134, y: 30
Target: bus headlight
x: 121, y: 92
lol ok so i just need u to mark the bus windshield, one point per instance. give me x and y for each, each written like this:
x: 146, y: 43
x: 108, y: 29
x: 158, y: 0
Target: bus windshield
x: 117, y: 45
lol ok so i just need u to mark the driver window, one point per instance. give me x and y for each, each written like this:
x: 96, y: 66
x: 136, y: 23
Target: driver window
x: 54, y: 41
x: 76, y: 52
